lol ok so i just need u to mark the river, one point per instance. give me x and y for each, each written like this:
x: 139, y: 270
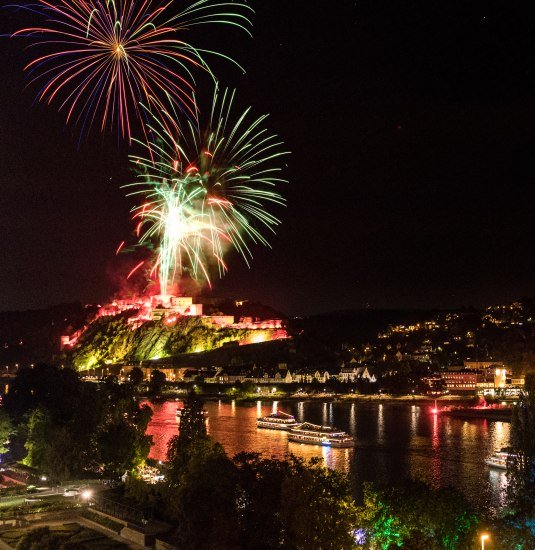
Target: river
x: 393, y: 441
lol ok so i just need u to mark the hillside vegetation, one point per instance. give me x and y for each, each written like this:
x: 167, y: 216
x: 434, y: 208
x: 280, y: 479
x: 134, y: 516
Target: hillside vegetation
x: 112, y: 340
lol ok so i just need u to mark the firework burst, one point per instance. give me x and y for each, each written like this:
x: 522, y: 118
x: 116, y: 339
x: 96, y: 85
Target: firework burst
x: 206, y: 191
x: 106, y: 56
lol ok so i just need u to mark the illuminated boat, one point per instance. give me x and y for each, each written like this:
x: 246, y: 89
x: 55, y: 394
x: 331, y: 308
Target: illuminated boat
x: 277, y: 421
x: 498, y: 460
x: 313, y: 434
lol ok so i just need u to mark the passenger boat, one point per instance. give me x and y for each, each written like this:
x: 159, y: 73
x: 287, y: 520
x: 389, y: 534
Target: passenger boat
x: 277, y: 421
x: 498, y: 460
x: 312, y: 434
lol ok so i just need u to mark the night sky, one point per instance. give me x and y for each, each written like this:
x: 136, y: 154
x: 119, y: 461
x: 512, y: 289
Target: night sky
x: 412, y: 131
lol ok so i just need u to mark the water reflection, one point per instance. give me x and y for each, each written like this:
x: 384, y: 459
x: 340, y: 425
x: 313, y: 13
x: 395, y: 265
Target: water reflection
x: 300, y: 416
x: 352, y: 419
x: 393, y: 441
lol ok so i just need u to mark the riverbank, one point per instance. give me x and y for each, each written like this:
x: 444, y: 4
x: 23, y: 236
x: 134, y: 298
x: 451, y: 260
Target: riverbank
x: 487, y: 413
x: 297, y: 397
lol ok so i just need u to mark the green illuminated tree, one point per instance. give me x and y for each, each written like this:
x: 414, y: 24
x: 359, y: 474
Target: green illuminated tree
x: 6, y: 429
x: 415, y: 516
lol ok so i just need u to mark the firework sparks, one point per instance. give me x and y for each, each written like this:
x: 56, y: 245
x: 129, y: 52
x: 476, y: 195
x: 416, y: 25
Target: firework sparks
x: 206, y: 191
x: 106, y: 56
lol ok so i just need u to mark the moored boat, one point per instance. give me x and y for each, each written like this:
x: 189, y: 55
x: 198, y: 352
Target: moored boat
x: 277, y: 421
x: 498, y: 459
x: 313, y: 434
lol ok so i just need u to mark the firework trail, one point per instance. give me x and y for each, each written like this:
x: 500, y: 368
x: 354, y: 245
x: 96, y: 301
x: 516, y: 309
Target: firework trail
x: 104, y: 57
x: 205, y: 192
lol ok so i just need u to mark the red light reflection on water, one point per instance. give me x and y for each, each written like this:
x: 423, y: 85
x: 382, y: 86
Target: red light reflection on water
x: 162, y: 427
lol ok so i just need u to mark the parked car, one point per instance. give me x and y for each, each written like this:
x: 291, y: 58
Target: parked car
x: 73, y: 492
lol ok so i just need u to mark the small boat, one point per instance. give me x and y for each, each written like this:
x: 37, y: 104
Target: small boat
x: 499, y: 459
x: 313, y: 434
x: 179, y: 410
x: 277, y: 421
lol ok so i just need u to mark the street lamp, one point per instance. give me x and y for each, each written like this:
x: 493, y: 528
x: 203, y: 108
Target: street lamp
x: 86, y: 495
x: 484, y: 537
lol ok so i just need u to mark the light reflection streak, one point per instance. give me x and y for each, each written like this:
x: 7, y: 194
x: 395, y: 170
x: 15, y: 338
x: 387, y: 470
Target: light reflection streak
x: 436, y: 459
x: 352, y: 420
x: 301, y: 411
x: 380, y: 424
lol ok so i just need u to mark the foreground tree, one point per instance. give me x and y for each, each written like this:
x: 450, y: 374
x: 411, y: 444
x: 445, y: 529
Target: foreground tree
x: 192, y: 429
x: 293, y: 504
x: 72, y: 427
x: 521, y: 462
x: 415, y: 516
x: 6, y: 429
x: 122, y: 443
x: 202, y: 502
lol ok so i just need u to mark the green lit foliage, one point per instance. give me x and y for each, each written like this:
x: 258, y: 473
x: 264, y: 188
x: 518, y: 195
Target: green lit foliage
x: 111, y: 339
x: 521, y: 463
x: 414, y: 515
x: 6, y: 429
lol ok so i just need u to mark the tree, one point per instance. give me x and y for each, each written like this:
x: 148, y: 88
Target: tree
x: 192, y: 420
x: 521, y: 461
x: 157, y: 381
x: 55, y: 448
x: 136, y: 376
x: 192, y: 429
x: 413, y: 515
x: 293, y: 504
x: 73, y: 427
x: 6, y: 429
x: 313, y: 495
x: 203, y: 502
x: 122, y: 443
x: 260, y: 482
